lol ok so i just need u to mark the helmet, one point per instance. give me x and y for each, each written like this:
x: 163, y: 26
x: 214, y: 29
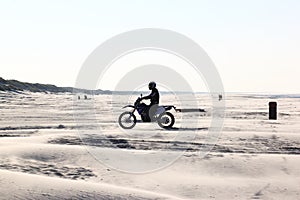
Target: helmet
x: 151, y: 85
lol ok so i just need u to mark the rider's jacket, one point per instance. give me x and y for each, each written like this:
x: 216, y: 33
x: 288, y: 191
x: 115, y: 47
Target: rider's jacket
x: 154, y: 97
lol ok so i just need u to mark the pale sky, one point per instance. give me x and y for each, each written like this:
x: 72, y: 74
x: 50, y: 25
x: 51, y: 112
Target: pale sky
x: 255, y: 44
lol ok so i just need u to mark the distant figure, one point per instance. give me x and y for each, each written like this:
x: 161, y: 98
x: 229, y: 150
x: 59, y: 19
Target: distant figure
x: 85, y: 97
x: 220, y: 97
x: 78, y: 97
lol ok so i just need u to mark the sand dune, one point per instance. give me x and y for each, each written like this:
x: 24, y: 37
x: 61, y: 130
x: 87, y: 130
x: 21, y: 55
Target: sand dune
x: 26, y: 186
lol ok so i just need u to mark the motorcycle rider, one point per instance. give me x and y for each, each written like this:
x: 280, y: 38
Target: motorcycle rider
x: 154, y: 100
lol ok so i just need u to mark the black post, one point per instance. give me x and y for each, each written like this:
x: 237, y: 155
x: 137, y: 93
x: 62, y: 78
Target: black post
x: 272, y: 110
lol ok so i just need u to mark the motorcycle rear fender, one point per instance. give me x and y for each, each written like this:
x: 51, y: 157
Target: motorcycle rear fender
x: 169, y: 107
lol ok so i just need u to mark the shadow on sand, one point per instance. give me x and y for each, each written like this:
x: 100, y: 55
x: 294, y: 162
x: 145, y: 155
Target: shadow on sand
x: 187, y: 129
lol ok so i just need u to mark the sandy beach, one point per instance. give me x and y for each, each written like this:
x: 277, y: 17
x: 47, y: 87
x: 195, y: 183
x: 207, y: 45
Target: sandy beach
x: 46, y: 154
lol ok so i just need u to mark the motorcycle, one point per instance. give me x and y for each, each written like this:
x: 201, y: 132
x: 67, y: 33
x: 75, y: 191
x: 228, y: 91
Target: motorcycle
x: 165, y: 119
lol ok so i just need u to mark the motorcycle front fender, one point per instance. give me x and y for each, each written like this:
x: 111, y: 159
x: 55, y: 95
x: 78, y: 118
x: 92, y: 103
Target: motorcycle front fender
x: 129, y: 106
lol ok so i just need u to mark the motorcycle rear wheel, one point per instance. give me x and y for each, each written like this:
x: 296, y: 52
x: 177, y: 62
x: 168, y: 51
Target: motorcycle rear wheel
x: 166, y: 120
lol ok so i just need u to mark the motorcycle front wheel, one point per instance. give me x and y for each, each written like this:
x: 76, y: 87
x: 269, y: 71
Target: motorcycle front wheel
x: 166, y: 120
x: 127, y: 120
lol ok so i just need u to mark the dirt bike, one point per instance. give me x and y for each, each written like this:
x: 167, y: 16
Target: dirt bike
x: 165, y: 119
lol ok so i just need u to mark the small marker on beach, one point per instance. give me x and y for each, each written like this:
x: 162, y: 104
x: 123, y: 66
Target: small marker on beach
x: 273, y: 110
